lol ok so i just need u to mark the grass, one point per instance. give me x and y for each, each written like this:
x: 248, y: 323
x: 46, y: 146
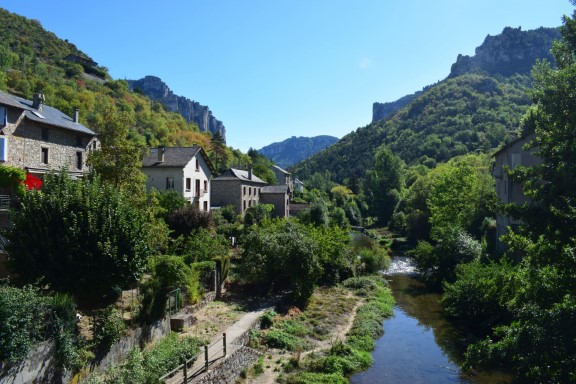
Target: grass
x: 344, y: 358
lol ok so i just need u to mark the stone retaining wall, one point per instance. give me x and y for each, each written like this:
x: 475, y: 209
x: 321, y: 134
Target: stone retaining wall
x: 228, y: 371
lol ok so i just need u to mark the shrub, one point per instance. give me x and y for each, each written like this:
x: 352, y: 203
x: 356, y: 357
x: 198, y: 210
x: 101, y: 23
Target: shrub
x: 267, y: 319
x: 316, y: 378
x: 480, y: 292
x: 281, y: 340
x: 109, y: 327
x: 23, y: 315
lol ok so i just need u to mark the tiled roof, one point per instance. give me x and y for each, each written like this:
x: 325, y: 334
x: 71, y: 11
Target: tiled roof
x: 275, y: 189
x: 173, y: 157
x: 237, y: 174
x: 47, y: 115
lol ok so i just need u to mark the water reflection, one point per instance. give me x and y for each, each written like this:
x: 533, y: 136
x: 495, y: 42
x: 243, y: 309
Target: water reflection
x: 419, y: 345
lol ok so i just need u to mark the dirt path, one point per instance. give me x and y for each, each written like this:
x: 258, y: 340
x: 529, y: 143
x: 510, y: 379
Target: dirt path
x: 275, y: 359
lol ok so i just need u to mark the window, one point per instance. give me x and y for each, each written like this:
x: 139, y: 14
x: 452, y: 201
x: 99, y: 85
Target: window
x: 244, y: 191
x: 197, y: 165
x: 44, y: 158
x: 169, y: 183
x: 249, y: 191
x: 188, y: 184
x: 205, y: 186
x: 206, y: 206
x: 78, y: 160
x: 197, y: 187
x: 45, y: 135
x: 3, y: 116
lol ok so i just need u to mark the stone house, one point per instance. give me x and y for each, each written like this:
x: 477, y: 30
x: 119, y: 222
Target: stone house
x: 279, y: 196
x: 509, y: 157
x: 238, y: 188
x: 186, y: 170
x: 283, y: 177
x: 40, y: 139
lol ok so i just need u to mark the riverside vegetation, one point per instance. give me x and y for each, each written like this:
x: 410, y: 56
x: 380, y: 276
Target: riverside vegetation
x: 428, y: 179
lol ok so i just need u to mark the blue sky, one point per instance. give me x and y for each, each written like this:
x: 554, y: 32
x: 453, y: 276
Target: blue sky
x: 271, y: 69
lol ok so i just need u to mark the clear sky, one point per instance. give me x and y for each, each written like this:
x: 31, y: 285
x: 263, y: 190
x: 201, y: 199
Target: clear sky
x: 272, y: 69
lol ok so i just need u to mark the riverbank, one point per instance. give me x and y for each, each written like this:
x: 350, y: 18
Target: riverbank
x: 326, y: 342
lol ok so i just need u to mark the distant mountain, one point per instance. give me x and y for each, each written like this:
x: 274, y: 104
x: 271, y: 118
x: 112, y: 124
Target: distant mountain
x: 296, y: 149
x: 478, y: 107
x: 192, y: 111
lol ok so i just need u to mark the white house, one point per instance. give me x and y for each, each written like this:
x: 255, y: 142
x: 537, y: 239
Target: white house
x: 187, y: 170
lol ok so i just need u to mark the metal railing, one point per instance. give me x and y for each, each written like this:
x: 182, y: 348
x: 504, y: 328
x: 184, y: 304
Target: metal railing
x: 5, y: 201
x: 191, y: 370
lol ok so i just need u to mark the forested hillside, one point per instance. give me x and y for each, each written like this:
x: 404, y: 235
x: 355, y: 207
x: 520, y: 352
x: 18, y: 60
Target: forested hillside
x: 465, y: 113
x: 34, y: 60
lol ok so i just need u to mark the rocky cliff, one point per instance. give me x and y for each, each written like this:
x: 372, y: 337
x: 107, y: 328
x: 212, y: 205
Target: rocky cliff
x: 192, y: 111
x: 512, y: 51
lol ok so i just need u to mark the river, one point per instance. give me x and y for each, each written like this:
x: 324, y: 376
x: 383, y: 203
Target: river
x: 419, y: 345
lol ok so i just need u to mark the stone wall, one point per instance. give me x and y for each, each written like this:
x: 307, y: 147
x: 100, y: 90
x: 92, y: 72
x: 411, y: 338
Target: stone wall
x: 37, y: 368
x: 228, y: 371
x: 39, y: 365
x: 138, y: 338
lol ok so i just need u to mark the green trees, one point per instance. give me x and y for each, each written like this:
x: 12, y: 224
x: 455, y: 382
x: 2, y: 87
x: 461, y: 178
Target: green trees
x: 80, y: 236
x: 540, y: 340
x: 119, y: 159
x: 288, y: 255
x: 383, y: 184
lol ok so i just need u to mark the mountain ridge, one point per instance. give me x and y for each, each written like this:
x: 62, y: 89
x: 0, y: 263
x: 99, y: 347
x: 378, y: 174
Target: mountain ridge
x: 476, y: 110
x: 295, y: 149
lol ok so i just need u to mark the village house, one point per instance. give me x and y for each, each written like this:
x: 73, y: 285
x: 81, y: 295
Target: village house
x: 298, y: 185
x: 279, y: 196
x: 283, y: 177
x: 40, y: 139
x: 509, y: 157
x: 186, y: 170
x: 238, y: 188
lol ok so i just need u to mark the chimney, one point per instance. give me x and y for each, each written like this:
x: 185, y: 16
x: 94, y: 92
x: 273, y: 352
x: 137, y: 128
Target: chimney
x: 37, y: 101
x: 161, y: 151
x: 76, y: 115
x: 250, y: 173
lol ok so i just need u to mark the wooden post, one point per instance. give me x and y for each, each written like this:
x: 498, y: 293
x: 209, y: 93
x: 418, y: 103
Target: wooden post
x: 185, y: 370
x: 224, y: 342
x: 206, y: 358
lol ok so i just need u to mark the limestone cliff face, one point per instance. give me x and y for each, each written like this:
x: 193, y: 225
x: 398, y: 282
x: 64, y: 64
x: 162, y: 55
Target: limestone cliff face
x: 192, y: 111
x: 512, y: 51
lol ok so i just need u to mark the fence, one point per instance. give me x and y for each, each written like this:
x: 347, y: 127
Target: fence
x: 194, y: 366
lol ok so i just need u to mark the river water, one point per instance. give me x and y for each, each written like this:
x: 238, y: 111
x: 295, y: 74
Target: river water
x: 419, y: 345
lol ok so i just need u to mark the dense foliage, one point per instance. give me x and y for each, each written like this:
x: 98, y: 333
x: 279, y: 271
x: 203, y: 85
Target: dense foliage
x: 529, y: 308
x: 146, y: 367
x: 79, y: 236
